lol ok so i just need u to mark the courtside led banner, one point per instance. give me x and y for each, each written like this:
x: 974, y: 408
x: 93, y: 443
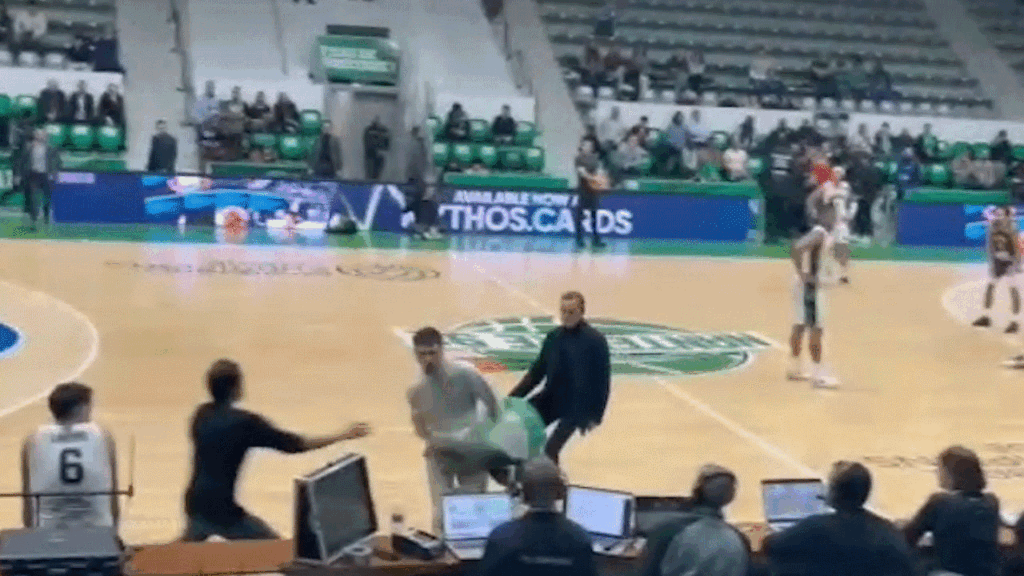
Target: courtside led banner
x: 307, y: 205
x: 956, y: 225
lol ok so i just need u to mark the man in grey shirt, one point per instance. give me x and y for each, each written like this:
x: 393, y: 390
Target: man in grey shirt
x: 448, y: 405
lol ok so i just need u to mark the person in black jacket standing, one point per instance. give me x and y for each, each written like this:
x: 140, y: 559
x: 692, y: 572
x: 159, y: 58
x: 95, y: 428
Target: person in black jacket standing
x: 575, y: 365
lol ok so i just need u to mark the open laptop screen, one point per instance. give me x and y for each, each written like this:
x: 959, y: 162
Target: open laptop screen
x: 792, y: 500
x: 600, y: 512
x: 474, y: 516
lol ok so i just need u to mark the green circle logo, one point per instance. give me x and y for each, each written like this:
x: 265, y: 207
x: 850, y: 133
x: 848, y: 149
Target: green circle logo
x: 512, y: 344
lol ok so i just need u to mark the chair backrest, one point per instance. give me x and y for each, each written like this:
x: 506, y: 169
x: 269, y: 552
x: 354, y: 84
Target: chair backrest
x: 487, y: 155
x: 434, y: 126
x: 939, y: 174
x: 25, y: 103
x: 479, y: 131
x: 959, y: 149
x: 981, y: 150
x: 511, y: 158
x: 943, y: 151
x: 720, y: 140
x: 535, y: 159
x: 83, y: 137
x: 441, y: 151
x: 526, y: 133
x: 755, y: 165
x: 110, y: 138
x: 55, y: 60
x: 463, y: 154
x: 5, y: 106
x: 311, y: 121
x: 58, y: 134
x: 264, y: 140
x: 291, y: 147
x: 1018, y: 152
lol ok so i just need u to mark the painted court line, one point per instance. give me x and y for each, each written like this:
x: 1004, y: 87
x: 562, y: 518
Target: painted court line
x: 94, y: 349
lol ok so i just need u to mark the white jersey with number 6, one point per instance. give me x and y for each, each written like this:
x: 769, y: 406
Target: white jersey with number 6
x: 71, y: 460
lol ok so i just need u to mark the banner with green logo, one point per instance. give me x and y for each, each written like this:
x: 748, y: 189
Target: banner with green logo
x: 357, y: 59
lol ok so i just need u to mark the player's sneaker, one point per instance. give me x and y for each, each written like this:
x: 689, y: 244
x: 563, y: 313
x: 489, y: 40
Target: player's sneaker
x: 1013, y: 328
x: 982, y: 322
x: 796, y: 371
x: 821, y: 379
x: 1017, y: 362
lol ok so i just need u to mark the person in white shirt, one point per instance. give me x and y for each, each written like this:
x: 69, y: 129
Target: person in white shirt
x: 29, y: 26
x: 734, y: 159
x: 73, y: 461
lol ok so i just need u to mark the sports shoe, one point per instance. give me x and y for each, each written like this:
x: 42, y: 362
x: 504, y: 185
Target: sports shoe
x: 982, y: 322
x: 1013, y: 328
x: 824, y: 382
x: 1017, y: 362
x: 796, y: 371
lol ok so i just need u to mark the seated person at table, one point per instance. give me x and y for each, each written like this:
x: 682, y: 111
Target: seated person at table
x: 73, y: 457
x: 964, y: 520
x: 504, y: 126
x: 848, y: 542
x: 543, y: 542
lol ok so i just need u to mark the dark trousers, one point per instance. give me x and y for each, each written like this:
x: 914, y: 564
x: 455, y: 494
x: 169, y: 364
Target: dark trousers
x: 37, y: 187
x: 374, y: 166
x: 586, y: 200
x: 248, y: 527
x: 563, y: 428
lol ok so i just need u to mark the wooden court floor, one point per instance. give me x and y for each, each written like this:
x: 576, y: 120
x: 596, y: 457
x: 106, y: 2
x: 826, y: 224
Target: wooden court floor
x: 318, y: 335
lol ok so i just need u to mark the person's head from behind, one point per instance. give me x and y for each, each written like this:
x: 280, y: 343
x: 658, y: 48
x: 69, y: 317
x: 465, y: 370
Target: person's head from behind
x: 885, y: 127
x: 849, y: 485
x: 428, y: 345
x: 83, y: 86
x: 643, y: 121
x: 615, y: 113
x: 224, y: 381
x: 715, y: 487
x: 506, y: 111
x: 236, y: 93
x: 959, y: 467
x: 543, y: 483
x: 677, y: 119
x: 51, y: 84
x: 71, y: 403
x: 161, y: 126
x: 1002, y: 136
x: 571, y: 308
x: 695, y: 117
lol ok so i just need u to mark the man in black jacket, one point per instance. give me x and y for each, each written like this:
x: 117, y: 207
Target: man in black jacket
x: 543, y: 542
x: 575, y: 365
x: 848, y: 542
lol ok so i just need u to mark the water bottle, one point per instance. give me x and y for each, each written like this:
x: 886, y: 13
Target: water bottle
x: 397, y: 528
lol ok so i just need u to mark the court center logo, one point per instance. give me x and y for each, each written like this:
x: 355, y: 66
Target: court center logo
x: 512, y: 344
x: 10, y: 340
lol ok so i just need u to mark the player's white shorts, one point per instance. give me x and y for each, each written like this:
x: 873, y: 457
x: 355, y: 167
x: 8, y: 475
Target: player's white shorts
x: 841, y: 234
x: 808, y: 305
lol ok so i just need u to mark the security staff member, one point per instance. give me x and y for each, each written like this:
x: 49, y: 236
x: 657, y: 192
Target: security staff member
x: 221, y: 436
x: 543, y: 542
x: 575, y: 365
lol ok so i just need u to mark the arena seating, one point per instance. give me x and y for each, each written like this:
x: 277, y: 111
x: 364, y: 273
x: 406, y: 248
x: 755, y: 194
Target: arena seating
x: 898, y: 32
x: 66, y: 21
x: 1002, y: 22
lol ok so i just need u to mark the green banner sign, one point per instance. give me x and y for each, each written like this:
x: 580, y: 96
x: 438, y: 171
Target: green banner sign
x: 357, y: 59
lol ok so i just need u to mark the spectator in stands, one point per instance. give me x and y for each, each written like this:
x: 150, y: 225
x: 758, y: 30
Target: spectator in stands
x: 963, y: 171
x: 206, y: 107
x: 604, y: 27
x: 163, y: 150
x: 642, y: 131
x: 112, y: 106
x: 376, y: 142
x: 286, y: 115
x: 636, y: 75
x: 1002, y: 150
x: 850, y: 540
x: 325, y: 154
x: 678, y: 69
x: 456, y: 126
x: 745, y: 134
x: 590, y: 134
x: 963, y: 519
x: 823, y: 81
x: 782, y: 135
x: 6, y: 25
x: 82, y: 52
x: 908, y: 174
x: 504, y: 126
x: 233, y: 122
x: 925, y: 145
x: 259, y: 113
x: 593, y: 69
x: 734, y: 160
x: 631, y: 156
x: 105, y: 54
x: 861, y: 143
x: 697, y: 70
x: 880, y: 83
x: 843, y: 70
x: 857, y: 77
x: 760, y: 71
x: 611, y: 132
x: 52, y: 102
x: 543, y: 542
x: 614, y: 67
x: 676, y: 142
x: 29, y: 28
x: 883, y: 141
x: 697, y: 140
x: 903, y: 140
x: 81, y: 107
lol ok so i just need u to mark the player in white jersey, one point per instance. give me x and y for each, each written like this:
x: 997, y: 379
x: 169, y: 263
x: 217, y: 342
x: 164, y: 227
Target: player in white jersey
x: 806, y: 254
x: 73, y: 461
x: 846, y: 208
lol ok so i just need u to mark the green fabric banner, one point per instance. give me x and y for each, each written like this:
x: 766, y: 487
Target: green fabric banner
x: 357, y: 59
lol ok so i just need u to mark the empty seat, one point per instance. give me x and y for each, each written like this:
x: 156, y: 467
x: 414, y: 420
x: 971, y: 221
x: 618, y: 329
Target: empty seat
x: 310, y: 121
x: 83, y: 137
x: 110, y: 138
x: 58, y: 134
x: 291, y: 147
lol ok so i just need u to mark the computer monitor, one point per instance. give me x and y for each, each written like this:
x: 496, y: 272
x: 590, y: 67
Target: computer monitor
x: 786, y: 502
x: 334, y: 510
x: 601, y: 512
x: 474, y: 516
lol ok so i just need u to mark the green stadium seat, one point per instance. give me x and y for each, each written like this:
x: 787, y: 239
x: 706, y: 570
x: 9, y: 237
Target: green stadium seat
x: 511, y: 158
x: 479, y: 131
x: 463, y: 154
x: 720, y: 140
x: 441, y: 152
x: 263, y: 140
x: 58, y: 134
x: 434, y: 127
x: 1018, y: 152
x: 487, y: 155
x: 110, y: 138
x: 930, y: 145
x: 943, y: 151
x: 959, y: 149
x: 311, y: 121
x: 291, y: 148
x: 647, y: 165
x: 981, y: 150
x: 755, y: 165
x: 6, y: 106
x: 526, y: 133
x: 308, y: 141
x: 83, y: 137
x: 939, y: 175
x: 26, y: 102
x: 710, y: 173
x: 656, y: 138
x: 535, y: 159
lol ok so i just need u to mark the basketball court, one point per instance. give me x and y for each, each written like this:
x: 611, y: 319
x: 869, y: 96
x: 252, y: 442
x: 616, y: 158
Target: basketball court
x: 322, y: 337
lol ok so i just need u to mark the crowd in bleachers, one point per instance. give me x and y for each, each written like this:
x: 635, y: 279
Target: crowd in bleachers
x: 29, y: 36
x: 77, y: 120
x: 476, y: 146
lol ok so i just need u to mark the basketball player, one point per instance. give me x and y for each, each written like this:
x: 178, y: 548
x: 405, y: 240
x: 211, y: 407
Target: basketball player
x: 846, y: 208
x: 806, y: 253
x: 73, y: 457
x: 1004, y: 262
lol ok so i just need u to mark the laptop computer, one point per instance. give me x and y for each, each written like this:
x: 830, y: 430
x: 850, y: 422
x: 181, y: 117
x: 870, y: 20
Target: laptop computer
x: 468, y: 520
x: 787, y: 502
x: 605, y: 514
